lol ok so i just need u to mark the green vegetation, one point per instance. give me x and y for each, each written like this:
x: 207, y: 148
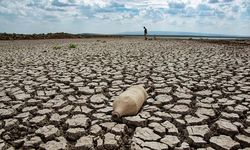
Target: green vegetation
x: 57, y: 47
x: 71, y: 45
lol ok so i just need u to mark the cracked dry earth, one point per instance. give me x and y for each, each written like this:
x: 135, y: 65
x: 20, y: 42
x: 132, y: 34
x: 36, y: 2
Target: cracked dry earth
x: 199, y: 95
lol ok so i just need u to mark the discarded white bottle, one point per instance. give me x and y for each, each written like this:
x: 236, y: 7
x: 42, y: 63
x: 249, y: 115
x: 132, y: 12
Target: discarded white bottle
x: 129, y: 102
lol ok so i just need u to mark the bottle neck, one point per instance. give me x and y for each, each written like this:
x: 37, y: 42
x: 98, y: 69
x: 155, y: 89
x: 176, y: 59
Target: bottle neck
x: 115, y: 115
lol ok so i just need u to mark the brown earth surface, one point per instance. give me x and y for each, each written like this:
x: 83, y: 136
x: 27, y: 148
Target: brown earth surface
x: 56, y: 97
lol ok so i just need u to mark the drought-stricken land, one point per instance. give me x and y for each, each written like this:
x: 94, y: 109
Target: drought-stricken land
x: 58, y: 94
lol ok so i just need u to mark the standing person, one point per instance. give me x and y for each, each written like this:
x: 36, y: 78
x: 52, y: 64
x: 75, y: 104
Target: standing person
x: 145, y: 33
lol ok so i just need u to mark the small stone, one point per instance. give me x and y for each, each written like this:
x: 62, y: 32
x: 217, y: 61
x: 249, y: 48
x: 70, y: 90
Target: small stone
x: 158, y: 128
x: 204, y: 105
x: 31, y: 109
x: 85, y: 142
x: 2, y: 130
x: 135, y: 146
x: 223, y: 142
x: 3, y: 145
x: 165, y: 90
x: 135, y: 120
x: 181, y: 109
x: 110, y: 141
x: 155, y: 145
x: 248, y: 148
x: 56, y: 118
x: 199, y: 130
x: 184, y: 102
x: 247, y: 131
x: 163, y: 99
x: 65, y: 80
x: 108, y: 125
x: 79, y: 120
x: 59, y: 104
x: 7, y: 113
x: 105, y: 110
x: 208, y: 100
x: 171, y: 128
x: 243, y: 139
x: 248, y: 120
x: 197, y: 141
x: 144, y: 114
x: 146, y: 134
x: 195, y: 120
x: 98, y: 106
x: 98, y: 98
x: 86, y: 90
x: 33, y: 102
x: 226, y: 102
x: 10, y: 123
x: 50, y: 93
x: 175, y: 115
x: 99, y: 143
x: 44, y: 111
x: 68, y: 91
x: 66, y: 109
x: 33, y: 142
x: 39, y: 120
x: 48, y: 132
x: 154, y: 119
x: 226, y: 127
x: 181, y: 95
x: 207, y: 148
x: 77, y: 110
x: 6, y: 137
x: 184, y: 146
x: 95, y: 129
x: 22, y: 96
x: 18, y: 143
x: 78, y: 79
x: 137, y: 141
x: 240, y: 109
x: 179, y: 122
x: 23, y: 115
x: 86, y: 109
x: 102, y: 116
x: 75, y: 133
x: 81, y: 101
x: 168, y: 106
x: 204, y: 93
x: 239, y: 125
x: 59, y: 144
x: 55, y: 103
x: 119, y: 128
x: 206, y: 112
x: 170, y: 140
x: 231, y: 116
x: 40, y: 93
x: 237, y: 98
x: 148, y: 108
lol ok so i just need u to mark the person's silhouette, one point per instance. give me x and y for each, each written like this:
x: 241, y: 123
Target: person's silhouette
x: 145, y: 33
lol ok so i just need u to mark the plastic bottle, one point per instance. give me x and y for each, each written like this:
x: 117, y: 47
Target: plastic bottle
x: 129, y: 102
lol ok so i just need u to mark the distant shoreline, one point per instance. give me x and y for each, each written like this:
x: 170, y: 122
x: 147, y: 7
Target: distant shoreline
x: 194, y: 37
x: 13, y: 36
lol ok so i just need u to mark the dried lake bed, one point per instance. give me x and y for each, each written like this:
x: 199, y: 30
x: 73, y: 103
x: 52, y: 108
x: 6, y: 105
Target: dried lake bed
x: 56, y: 97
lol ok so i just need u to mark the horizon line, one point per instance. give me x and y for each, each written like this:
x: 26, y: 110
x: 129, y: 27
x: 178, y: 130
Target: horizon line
x: 138, y: 33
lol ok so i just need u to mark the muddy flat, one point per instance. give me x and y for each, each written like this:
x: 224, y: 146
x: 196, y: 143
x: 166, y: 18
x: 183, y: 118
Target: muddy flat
x: 58, y: 94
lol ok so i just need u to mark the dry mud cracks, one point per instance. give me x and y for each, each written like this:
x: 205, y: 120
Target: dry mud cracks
x: 62, y: 99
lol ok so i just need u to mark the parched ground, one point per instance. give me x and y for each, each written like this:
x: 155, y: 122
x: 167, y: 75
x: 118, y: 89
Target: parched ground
x: 199, y: 94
